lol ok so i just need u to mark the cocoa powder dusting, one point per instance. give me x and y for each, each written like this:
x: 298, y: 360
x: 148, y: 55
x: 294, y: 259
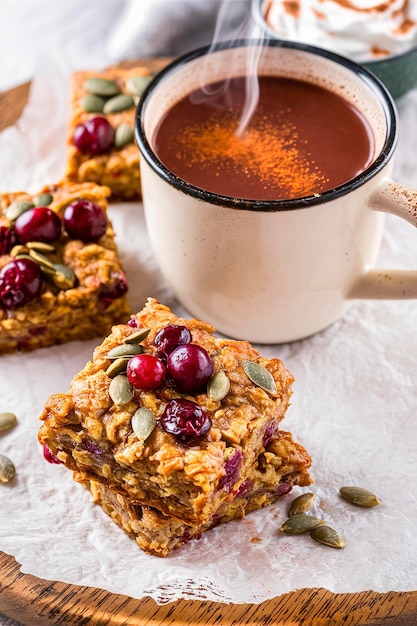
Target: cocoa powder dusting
x: 292, y: 7
x: 405, y: 27
x: 379, y: 52
x: 266, y: 150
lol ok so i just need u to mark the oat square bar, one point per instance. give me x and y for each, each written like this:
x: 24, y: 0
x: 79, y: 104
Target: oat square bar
x: 283, y: 464
x: 61, y: 278
x: 168, y: 415
x: 100, y: 138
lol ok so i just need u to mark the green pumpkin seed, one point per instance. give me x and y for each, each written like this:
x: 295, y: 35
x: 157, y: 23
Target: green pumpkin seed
x: 137, y: 84
x: 122, y: 102
x: 101, y: 86
x: 120, y: 390
x: 359, y: 496
x: 327, y: 536
x: 301, y: 504
x: 297, y: 524
x: 40, y: 246
x: 63, y: 277
x: 7, y: 469
x: 218, y: 386
x: 49, y: 271
x: 17, y: 208
x: 44, y: 199
x: 117, y: 367
x: 7, y: 420
x: 143, y: 423
x: 92, y: 103
x: 125, y: 350
x: 260, y: 376
x: 123, y: 136
x: 138, y: 336
x: 41, y: 259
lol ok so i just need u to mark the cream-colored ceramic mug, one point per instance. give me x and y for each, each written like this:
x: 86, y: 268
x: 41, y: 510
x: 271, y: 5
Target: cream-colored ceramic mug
x: 274, y: 271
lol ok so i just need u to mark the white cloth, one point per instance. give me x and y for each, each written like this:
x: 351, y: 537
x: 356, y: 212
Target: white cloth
x: 106, y: 31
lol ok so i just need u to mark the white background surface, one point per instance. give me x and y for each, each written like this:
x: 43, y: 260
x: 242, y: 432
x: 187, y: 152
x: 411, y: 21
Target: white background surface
x: 355, y: 393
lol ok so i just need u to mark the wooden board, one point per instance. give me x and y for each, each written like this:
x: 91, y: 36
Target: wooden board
x: 37, y: 602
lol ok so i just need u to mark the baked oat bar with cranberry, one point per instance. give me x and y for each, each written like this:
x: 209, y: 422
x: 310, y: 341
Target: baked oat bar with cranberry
x: 61, y: 278
x: 168, y: 414
x: 282, y: 464
x: 100, y: 139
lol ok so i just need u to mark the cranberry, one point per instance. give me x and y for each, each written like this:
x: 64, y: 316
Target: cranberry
x: 245, y: 488
x: 185, y: 419
x: 92, y: 447
x: 38, y: 224
x: 50, y: 456
x: 283, y: 488
x: 114, y: 291
x: 170, y: 337
x: 232, y: 469
x: 93, y: 136
x: 133, y: 322
x: 20, y: 282
x: 268, y: 434
x: 85, y: 220
x: 190, y: 366
x: 7, y: 239
x: 146, y: 372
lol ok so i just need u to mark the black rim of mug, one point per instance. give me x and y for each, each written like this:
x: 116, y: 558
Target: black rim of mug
x: 373, y: 83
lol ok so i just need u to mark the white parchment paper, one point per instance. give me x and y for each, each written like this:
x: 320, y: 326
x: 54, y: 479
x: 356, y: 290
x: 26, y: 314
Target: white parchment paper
x: 354, y: 408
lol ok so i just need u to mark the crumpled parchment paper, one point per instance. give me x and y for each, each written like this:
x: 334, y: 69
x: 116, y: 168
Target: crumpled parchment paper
x: 354, y: 409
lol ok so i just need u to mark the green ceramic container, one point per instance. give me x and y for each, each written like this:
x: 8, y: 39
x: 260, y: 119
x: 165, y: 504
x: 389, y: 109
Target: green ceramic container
x: 398, y: 73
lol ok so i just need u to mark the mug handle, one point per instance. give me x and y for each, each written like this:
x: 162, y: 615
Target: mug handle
x: 397, y: 199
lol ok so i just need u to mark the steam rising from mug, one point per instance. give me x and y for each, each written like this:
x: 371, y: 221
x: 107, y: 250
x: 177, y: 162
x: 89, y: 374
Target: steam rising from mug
x: 246, y: 29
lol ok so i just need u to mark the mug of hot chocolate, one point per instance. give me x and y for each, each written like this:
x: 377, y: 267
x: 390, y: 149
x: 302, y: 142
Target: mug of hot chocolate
x: 265, y: 173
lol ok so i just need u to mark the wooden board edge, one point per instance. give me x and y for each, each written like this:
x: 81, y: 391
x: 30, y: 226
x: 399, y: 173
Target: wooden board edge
x: 37, y: 602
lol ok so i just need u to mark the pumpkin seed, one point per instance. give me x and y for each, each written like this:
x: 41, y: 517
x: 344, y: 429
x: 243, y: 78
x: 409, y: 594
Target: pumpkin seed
x: 143, y: 423
x: 260, y: 376
x: 40, y: 246
x: 7, y: 420
x: 41, y: 259
x: 125, y: 350
x: 327, y: 536
x: 138, y: 336
x: 44, y: 199
x: 117, y: 367
x: 49, y: 271
x: 18, y: 250
x: 297, y: 524
x: 218, y: 386
x: 17, y: 208
x: 359, y: 496
x: 23, y: 255
x: 91, y: 103
x: 118, y: 103
x: 7, y: 469
x: 301, y: 504
x: 136, y: 85
x: 63, y: 277
x: 101, y: 86
x: 120, y: 390
x: 123, y: 136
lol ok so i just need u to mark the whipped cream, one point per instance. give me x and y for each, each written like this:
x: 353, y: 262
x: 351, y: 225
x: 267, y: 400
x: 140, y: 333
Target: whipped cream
x: 364, y: 30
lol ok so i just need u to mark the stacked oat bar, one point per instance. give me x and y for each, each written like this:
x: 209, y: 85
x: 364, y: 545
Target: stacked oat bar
x: 171, y: 450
